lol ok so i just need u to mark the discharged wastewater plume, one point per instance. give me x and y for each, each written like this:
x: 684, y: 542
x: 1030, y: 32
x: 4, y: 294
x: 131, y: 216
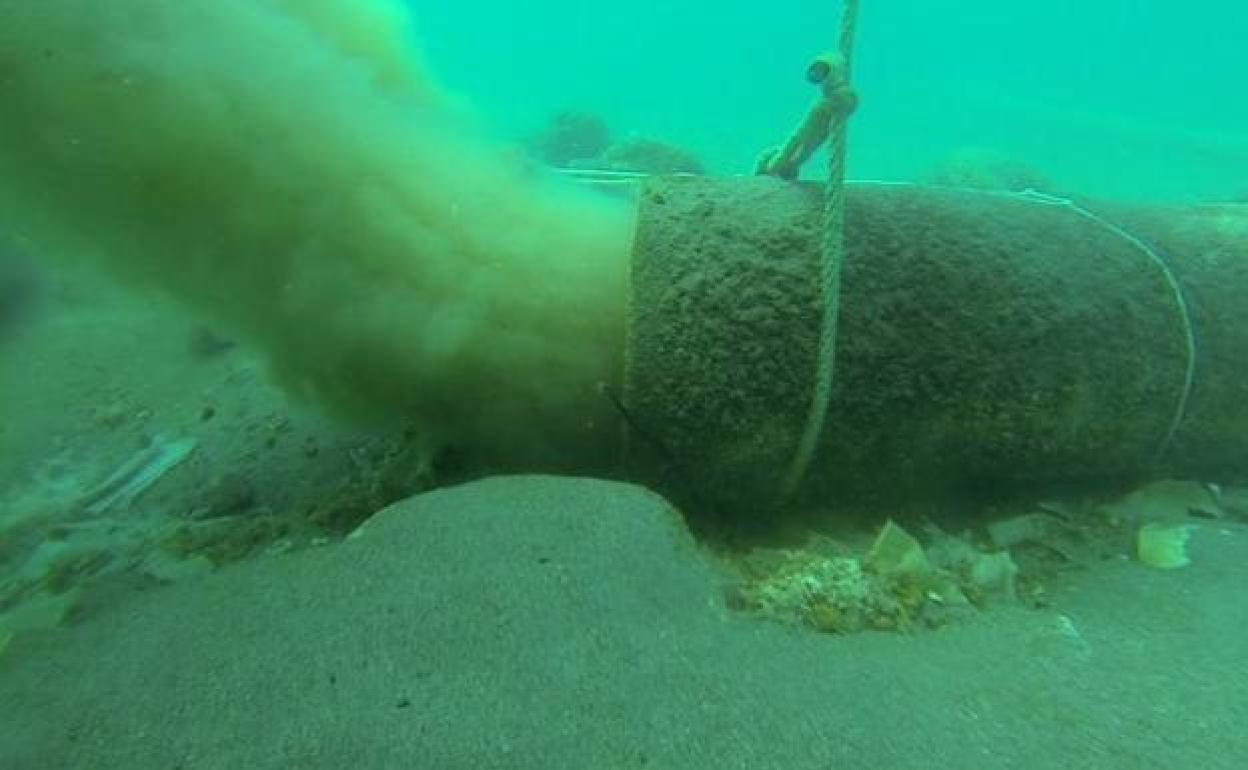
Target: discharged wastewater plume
x: 291, y: 169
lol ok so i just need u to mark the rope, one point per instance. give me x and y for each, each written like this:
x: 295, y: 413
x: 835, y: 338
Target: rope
x: 841, y: 99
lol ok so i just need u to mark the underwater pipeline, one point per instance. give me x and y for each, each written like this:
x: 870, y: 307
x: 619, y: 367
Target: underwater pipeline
x: 401, y: 264
x: 987, y: 340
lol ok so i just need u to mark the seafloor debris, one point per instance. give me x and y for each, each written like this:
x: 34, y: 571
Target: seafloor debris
x: 1162, y: 545
x: 77, y: 527
x: 1164, y: 515
x: 136, y: 475
x: 902, y: 582
x: 896, y: 585
x: 60, y: 533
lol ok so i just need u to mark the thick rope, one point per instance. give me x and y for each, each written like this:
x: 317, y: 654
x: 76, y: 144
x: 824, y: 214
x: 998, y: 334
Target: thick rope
x: 832, y: 254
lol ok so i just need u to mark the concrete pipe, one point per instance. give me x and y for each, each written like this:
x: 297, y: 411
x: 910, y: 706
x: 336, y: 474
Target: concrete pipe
x: 986, y: 340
